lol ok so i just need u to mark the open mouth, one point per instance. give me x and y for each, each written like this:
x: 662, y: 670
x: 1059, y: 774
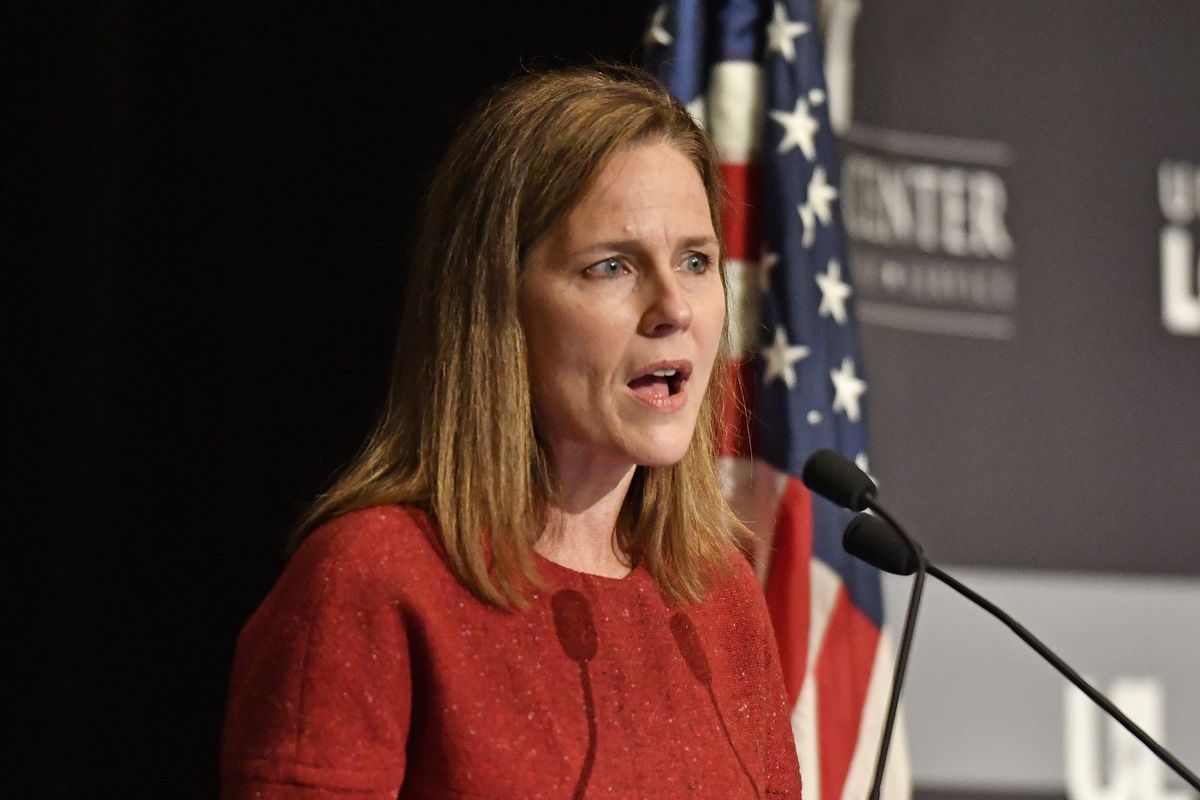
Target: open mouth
x: 660, y: 381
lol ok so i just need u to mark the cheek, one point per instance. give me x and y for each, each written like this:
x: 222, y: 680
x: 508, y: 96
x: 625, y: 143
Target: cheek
x: 569, y: 346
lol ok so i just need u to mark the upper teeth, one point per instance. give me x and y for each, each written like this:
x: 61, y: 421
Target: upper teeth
x: 664, y: 373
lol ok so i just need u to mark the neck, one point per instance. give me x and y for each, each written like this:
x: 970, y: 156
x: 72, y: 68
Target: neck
x: 582, y: 520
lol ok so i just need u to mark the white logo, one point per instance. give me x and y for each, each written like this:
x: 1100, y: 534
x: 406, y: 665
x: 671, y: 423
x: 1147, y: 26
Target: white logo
x: 1134, y: 773
x: 929, y: 241
x: 1179, y: 200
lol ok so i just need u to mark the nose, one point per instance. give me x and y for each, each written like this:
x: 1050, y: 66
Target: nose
x: 668, y: 309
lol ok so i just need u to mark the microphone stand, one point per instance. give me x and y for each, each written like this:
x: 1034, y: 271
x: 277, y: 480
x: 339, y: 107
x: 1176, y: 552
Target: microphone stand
x: 1068, y: 673
x: 910, y: 625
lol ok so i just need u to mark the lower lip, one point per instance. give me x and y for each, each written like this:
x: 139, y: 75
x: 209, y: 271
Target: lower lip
x: 665, y: 405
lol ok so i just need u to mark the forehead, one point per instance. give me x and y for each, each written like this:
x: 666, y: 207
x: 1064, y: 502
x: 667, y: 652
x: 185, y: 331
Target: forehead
x: 643, y: 185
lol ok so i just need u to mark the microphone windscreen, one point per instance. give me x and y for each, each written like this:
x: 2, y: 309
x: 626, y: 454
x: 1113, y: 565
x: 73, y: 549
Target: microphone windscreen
x: 874, y: 541
x: 838, y: 479
x: 574, y: 625
x: 688, y: 642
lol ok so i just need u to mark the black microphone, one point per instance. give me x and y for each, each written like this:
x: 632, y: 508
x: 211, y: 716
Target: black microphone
x: 877, y: 543
x: 874, y: 541
x: 576, y: 630
x: 839, y: 480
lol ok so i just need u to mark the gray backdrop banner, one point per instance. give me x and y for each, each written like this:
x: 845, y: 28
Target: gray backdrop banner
x: 1021, y: 190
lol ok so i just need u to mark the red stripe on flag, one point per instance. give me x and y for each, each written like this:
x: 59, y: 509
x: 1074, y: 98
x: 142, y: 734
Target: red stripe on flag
x: 739, y: 218
x: 734, y: 415
x: 788, y: 589
x: 843, y: 672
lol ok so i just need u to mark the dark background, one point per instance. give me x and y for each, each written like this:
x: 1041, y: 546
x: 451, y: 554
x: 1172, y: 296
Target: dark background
x: 214, y: 209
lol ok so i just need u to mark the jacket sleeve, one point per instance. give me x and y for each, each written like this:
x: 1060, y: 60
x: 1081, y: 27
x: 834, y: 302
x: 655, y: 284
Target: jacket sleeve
x: 320, y: 696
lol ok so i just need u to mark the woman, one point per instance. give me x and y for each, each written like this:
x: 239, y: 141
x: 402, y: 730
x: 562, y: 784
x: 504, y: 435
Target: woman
x: 526, y: 585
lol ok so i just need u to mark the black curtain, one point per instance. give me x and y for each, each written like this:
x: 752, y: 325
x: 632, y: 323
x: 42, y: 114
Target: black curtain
x: 214, y: 209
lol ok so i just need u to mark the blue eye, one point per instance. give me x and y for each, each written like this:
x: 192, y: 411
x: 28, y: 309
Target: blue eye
x: 696, y: 263
x: 608, y: 268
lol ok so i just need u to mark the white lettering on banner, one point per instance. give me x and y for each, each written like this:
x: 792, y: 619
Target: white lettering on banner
x: 947, y: 209
x: 929, y: 241
x: 1179, y: 261
x: 935, y: 282
x: 1134, y: 773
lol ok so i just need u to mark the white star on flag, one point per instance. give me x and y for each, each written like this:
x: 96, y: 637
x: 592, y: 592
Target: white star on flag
x: 657, y: 33
x: 780, y: 358
x: 820, y: 195
x: 782, y: 33
x: 848, y: 388
x: 834, y: 292
x: 799, y: 128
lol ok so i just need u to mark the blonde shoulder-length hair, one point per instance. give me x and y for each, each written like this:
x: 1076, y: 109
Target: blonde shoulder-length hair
x: 457, y: 433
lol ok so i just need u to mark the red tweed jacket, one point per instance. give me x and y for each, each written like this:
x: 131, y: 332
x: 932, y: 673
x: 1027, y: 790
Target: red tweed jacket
x: 370, y: 672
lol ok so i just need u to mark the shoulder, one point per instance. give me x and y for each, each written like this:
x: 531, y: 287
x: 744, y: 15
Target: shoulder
x: 381, y: 548
x: 379, y: 531
x: 735, y: 581
x: 736, y: 601
x: 733, y: 595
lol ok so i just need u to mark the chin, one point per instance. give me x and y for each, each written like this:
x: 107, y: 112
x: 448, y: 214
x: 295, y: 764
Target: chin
x: 661, y: 453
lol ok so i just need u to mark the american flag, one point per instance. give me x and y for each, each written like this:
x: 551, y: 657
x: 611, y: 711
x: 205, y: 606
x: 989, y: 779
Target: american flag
x: 751, y: 72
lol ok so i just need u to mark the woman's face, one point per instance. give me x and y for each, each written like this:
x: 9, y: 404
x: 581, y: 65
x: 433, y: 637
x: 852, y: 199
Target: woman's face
x: 622, y: 304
